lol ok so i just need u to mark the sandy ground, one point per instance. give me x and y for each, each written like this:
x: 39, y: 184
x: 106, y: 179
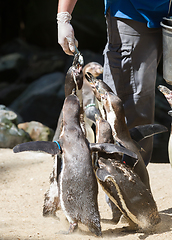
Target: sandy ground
x: 24, y: 178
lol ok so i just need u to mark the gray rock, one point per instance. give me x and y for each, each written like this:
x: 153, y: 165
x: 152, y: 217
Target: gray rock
x: 9, y: 92
x: 42, y: 100
x: 10, y: 115
x: 41, y: 63
x: 10, y: 135
x: 10, y: 66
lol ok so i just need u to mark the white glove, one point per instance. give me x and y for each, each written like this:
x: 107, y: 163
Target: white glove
x: 66, y: 36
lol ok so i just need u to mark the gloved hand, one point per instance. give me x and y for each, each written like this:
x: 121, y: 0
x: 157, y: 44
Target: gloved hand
x: 66, y: 36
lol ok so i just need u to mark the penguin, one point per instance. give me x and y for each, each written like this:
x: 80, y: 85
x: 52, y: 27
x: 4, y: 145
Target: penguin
x: 89, y: 101
x: 168, y: 95
x: 51, y: 196
x: 124, y: 187
x: 115, y: 115
x: 77, y: 182
x: 78, y: 186
x: 96, y: 85
x: 128, y: 193
x: 104, y: 135
x: 73, y: 82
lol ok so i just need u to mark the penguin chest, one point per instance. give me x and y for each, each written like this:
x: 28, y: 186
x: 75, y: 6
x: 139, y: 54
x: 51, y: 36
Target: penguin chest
x: 77, y: 182
x: 101, y: 108
x: 111, y: 117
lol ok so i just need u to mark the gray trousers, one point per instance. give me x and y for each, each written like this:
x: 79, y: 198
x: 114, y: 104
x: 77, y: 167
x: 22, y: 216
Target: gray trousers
x: 131, y: 57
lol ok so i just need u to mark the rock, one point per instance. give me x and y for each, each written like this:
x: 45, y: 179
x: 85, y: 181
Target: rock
x: 9, y: 92
x: 42, y: 100
x: 37, y: 131
x: 10, y: 115
x: 22, y: 64
x: 20, y: 46
x: 37, y: 61
x: 10, y: 66
x: 41, y: 63
x: 10, y: 135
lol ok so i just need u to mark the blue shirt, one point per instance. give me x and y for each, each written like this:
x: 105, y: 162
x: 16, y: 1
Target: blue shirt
x: 148, y: 11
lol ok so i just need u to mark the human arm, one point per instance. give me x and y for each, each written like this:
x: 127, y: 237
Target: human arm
x: 66, y: 36
x: 66, y: 6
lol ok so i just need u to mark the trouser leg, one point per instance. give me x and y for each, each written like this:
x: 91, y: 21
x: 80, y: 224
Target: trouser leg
x: 131, y: 57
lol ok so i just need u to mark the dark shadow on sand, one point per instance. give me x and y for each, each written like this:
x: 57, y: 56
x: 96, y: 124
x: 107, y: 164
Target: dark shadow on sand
x: 164, y: 226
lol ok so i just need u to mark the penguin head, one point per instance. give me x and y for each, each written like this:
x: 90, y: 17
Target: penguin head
x: 94, y: 82
x: 94, y: 68
x: 71, y: 109
x: 78, y: 59
x: 77, y: 76
x: 112, y: 103
x: 103, y: 131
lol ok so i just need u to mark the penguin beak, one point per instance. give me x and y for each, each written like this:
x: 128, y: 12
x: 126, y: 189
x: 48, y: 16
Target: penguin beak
x: 78, y: 59
x: 90, y: 78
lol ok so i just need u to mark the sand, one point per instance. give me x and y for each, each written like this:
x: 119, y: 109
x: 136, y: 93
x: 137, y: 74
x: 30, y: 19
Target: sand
x: 24, y: 178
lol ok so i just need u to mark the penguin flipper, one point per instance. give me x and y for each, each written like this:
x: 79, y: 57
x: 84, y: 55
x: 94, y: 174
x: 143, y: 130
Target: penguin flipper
x: 42, y: 146
x: 143, y: 131
x: 111, y: 148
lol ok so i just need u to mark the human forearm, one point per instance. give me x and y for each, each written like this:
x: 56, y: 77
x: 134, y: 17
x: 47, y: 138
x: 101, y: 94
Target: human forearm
x: 66, y: 37
x: 66, y: 6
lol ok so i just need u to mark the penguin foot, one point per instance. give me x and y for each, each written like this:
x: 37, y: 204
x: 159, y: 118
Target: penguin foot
x: 50, y: 208
x: 52, y: 216
x: 48, y: 213
x: 116, y: 213
x: 133, y: 227
x: 116, y: 217
x: 130, y: 229
x: 124, y: 220
x: 72, y: 227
